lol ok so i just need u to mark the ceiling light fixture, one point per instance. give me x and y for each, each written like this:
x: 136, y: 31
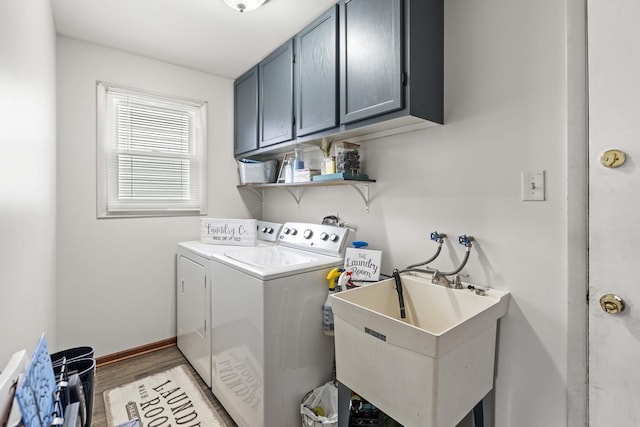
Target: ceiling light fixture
x: 244, y: 5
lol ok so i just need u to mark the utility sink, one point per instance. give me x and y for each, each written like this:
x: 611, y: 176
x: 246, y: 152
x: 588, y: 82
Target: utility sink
x: 429, y: 369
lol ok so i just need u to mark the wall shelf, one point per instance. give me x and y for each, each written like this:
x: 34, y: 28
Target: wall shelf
x: 295, y: 189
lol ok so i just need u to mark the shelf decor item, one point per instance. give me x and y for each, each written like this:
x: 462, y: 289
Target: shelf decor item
x: 286, y: 168
x: 254, y: 172
x: 348, y: 158
x: 343, y: 176
x: 305, y: 175
x: 328, y: 164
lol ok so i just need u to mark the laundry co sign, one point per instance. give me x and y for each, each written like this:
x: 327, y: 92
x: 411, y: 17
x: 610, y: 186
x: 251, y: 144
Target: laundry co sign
x: 240, y: 232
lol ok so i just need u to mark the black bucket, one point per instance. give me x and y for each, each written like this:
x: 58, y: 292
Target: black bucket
x: 71, y: 354
x: 86, y: 369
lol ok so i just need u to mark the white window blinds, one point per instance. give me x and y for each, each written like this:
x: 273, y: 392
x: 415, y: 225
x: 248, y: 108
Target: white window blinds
x: 153, y: 150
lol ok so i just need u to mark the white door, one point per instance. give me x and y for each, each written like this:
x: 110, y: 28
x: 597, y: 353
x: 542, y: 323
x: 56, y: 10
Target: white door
x: 614, y: 212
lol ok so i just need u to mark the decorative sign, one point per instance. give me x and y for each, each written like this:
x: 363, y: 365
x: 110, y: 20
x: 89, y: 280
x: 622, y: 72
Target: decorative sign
x: 239, y: 232
x: 35, y: 391
x: 363, y: 263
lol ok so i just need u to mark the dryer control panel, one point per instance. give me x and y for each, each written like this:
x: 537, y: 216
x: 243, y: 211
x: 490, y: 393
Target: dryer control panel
x: 268, y: 231
x: 320, y: 238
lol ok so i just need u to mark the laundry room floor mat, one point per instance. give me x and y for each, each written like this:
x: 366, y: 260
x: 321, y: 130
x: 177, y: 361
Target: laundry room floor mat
x: 167, y: 398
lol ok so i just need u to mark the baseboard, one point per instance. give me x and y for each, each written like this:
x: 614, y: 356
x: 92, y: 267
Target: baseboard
x: 137, y: 351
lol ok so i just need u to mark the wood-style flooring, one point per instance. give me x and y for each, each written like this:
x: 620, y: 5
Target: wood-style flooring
x: 126, y: 371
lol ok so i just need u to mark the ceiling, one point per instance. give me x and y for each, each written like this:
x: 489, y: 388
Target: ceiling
x: 205, y: 35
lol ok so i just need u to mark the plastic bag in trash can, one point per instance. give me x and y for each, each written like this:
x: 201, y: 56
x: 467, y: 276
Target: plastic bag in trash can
x: 320, y: 407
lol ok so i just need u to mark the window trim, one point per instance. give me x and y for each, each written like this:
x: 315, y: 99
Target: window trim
x: 102, y: 159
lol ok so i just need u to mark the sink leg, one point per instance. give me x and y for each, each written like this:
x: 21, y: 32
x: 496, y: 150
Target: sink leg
x: 344, y: 399
x: 478, y: 414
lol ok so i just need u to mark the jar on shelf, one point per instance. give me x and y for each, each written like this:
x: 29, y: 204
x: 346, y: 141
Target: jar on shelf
x: 348, y: 158
x: 328, y: 165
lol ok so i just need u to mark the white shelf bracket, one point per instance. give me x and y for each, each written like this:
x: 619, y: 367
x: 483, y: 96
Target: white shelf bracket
x: 296, y: 196
x: 257, y: 192
x: 364, y: 193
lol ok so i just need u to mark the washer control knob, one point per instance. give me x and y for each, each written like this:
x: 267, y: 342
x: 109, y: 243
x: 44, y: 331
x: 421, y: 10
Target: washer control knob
x: 264, y: 229
x: 294, y: 231
x: 286, y: 230
x: 307, y: 234
x: 270, y: 230
x: 324, y: 236
x: 334, y: 237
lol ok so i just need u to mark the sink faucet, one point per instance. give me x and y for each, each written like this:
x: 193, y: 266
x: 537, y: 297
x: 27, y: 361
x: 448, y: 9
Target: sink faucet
x: 440, y: 279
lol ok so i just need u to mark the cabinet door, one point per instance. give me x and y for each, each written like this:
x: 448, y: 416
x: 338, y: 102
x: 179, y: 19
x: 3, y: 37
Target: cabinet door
x: 246, y: 112
x: 276, y: 96
x: 317, y: 75
x: 370, y: 58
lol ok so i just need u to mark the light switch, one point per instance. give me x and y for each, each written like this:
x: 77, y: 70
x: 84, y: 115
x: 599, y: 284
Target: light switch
x: 533, y: 185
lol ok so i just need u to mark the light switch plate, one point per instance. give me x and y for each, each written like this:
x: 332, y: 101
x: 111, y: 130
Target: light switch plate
x: 533, y: 185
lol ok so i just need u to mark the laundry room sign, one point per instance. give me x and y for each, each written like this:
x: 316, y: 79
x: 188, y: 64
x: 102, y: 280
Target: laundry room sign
x: 239, y: 232
x: 364, y: 264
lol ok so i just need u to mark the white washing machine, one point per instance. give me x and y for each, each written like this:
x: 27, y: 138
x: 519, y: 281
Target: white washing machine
x: 268, y: 348
x: 193, y: 295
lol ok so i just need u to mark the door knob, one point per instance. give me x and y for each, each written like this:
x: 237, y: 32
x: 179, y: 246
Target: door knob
x: 612, y: 304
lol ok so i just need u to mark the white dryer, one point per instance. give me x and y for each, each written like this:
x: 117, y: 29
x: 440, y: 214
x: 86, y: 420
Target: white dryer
x: 268, y: 348
x: 193, y: 295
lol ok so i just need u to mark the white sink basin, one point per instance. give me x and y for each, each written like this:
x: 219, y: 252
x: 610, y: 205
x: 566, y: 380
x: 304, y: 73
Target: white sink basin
x: 429, y: 369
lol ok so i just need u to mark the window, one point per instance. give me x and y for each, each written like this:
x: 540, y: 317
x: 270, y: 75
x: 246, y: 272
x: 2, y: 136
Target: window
x: 151, y: 153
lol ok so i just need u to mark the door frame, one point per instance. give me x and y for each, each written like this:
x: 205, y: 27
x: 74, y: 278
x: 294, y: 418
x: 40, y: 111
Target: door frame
x: 577, y: 212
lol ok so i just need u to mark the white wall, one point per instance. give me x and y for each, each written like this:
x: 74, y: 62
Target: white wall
x: 27, y: 176
x: 505, y: 112
x: 117, y: 276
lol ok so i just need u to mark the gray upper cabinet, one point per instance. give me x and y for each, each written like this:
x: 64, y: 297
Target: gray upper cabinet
x: 275, y: 74
x: 316, y: 75
x: 391, y: 64
x: 370, y: 58
x: 388, y: 78
x: 246, y: 112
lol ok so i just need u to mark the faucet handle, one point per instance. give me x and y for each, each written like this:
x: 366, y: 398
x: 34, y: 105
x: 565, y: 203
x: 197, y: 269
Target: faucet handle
x: 457, y: 281
x: 439, y: 278
x: 437, y: 237
x: 436, y: 277
x: 465, y: 240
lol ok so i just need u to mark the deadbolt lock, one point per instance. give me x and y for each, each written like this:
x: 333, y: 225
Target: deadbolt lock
x: 612, y: 304
x: 612, y: 158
